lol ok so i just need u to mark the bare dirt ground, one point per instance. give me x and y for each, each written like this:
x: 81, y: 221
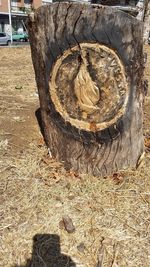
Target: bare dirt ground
x: 111, y: 216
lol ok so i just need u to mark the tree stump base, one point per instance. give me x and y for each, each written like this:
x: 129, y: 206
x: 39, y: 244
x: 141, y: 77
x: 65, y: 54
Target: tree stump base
x: 88, y: 63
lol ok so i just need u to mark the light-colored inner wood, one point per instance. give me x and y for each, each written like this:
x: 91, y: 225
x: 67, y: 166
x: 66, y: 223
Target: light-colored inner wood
x: 88, y: 86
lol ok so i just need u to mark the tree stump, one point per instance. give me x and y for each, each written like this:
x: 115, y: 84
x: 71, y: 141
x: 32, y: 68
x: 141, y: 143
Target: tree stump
x: 88, y: 62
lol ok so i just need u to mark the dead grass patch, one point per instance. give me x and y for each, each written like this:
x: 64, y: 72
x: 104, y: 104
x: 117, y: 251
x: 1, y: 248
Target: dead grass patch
x: 37, y: 192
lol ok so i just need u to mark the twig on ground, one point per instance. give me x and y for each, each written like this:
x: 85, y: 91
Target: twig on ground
x: 115, y: 254
x: 101, y: 254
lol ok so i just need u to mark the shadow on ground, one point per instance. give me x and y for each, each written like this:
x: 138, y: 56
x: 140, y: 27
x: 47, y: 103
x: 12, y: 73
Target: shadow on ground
x: 39, y: 120
x: 46, y: 252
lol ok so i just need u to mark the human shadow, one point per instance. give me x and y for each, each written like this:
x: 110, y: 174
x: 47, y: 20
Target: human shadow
x: 46, y: 252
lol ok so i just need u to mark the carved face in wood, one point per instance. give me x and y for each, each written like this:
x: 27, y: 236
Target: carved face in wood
x: 88, y: 86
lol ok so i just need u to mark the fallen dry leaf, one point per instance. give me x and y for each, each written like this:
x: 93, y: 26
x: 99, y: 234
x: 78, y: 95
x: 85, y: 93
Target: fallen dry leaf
x: 118, y: 178
x: 68, y: 224
x: 81, y: 247
x: 40, y: 142
x: 147, y: 143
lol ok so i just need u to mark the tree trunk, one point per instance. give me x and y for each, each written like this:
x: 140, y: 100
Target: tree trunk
x: 88, y: 63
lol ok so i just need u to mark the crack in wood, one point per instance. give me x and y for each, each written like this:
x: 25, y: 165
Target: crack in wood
x: 96, y: 18
x: 65, y: 25
x: 74, y: 28
x: 47, y: 39
x: 56, y: 27
x: 97, y: 15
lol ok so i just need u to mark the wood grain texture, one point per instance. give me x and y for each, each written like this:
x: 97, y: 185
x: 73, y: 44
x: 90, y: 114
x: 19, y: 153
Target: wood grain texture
x: 62, y: 27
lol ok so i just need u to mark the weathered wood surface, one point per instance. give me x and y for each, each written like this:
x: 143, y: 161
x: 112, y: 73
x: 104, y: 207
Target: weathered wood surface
x: 131, y: 9
x: 88, y: 63
x: 142, y: 6
x: 138, y: 10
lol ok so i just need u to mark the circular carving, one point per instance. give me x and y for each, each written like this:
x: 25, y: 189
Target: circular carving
x: 88, y: 86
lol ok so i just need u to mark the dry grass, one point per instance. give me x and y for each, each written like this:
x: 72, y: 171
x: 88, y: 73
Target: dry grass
x: 111, y: 216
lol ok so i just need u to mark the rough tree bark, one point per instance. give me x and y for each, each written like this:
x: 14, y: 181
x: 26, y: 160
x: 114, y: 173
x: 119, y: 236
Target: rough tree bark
x: 88, y: 63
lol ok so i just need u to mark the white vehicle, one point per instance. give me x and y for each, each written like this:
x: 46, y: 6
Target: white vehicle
x: 4, y: 39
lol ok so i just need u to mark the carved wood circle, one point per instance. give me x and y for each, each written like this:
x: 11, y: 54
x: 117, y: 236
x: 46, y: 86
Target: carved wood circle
x: 88, y: 86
